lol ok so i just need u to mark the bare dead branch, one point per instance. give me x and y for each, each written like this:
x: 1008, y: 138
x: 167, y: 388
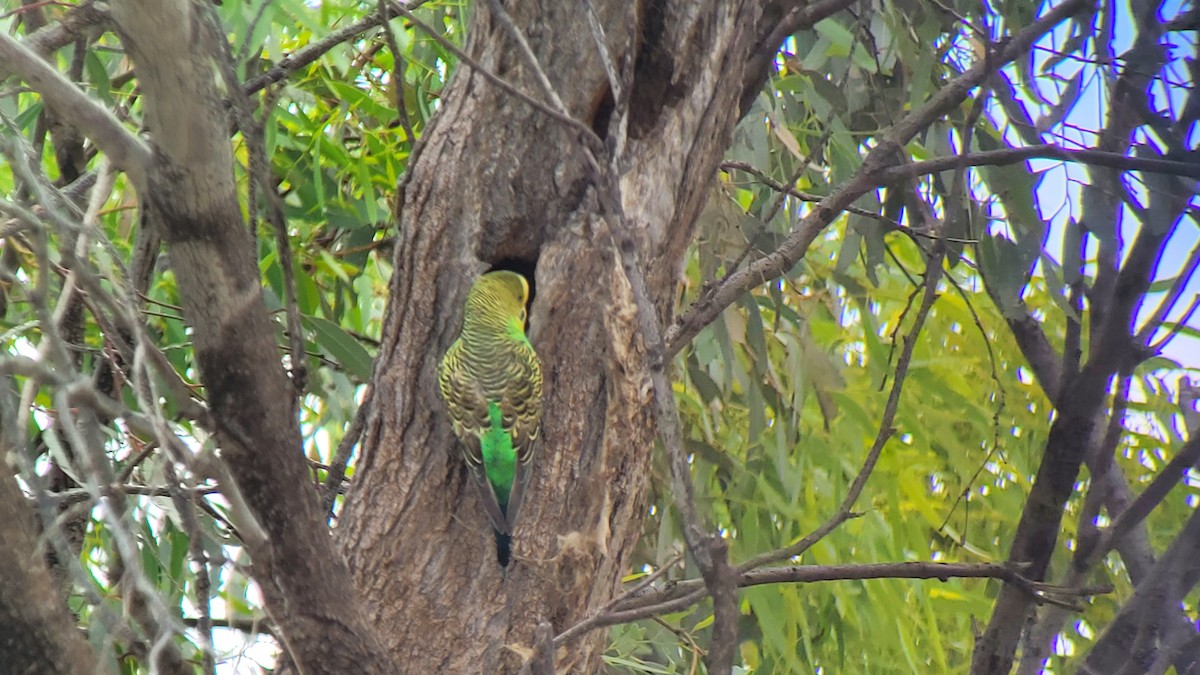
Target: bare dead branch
x: 676, y: 596
x: 77, y: 495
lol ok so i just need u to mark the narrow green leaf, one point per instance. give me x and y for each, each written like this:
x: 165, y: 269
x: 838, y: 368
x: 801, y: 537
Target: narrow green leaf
x: 342, y: 347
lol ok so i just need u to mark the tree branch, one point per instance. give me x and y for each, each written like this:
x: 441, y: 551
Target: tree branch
x: 1091, y: 157
x: 314, y: 50
x: 345, y: 448
x: 305, y: 583
x: 72, y: 26
x: 1130, y: 640
x: 124, y: 149
x: 883, y: 156
x: 679, y: 595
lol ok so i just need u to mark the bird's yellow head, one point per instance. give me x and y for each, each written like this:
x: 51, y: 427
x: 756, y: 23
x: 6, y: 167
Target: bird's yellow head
x: 497, y: 299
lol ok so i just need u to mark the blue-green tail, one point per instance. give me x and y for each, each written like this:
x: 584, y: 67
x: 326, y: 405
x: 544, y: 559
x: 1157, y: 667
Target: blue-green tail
x: 503, y: 548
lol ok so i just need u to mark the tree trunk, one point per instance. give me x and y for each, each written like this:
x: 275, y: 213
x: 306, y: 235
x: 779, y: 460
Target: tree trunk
x: 499, y: 182
x: 39, y: 633
x: 191, y: 192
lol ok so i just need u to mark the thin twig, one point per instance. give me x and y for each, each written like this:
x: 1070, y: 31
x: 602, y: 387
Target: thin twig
x: 184, y: 501
x: 315, y: 50
x: 1092, y: 157
x: 933, y: 272
x: 678, y: 596
x: 76, y: 495
x: 786, y: 189
x: 345, y: 449
x: 397, y: 75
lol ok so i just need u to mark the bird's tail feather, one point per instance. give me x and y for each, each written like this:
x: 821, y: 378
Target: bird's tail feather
x: 503, y: 548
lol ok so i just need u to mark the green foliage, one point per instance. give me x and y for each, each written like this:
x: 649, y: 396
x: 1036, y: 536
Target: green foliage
x: 780, y: 398
x: 784, y: 394
x: 338, y: 144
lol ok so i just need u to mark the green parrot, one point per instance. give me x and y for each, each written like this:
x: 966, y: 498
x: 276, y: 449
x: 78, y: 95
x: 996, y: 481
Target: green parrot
x: 491, y: 380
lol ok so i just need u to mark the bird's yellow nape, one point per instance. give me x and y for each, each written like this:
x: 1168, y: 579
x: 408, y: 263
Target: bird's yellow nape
x: 509, y: 289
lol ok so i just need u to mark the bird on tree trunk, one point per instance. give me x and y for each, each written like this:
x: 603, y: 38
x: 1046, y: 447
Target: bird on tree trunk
x: 491, y: 380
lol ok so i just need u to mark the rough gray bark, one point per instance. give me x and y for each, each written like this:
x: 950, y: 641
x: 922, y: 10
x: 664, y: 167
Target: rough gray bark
x: 501, y: 182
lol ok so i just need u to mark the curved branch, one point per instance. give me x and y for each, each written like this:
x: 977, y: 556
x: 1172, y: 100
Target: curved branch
x: 124, y: 149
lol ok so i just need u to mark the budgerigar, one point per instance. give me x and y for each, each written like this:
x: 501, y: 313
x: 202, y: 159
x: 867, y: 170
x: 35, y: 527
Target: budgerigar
x: 491, y: 380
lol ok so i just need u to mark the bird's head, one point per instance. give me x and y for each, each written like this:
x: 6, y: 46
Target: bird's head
x: 498, y: 299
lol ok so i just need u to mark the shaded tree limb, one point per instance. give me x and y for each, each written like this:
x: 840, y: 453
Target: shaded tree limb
x: 1078, y: 407
x: 1150, y: 498
x: 1132, y: 637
